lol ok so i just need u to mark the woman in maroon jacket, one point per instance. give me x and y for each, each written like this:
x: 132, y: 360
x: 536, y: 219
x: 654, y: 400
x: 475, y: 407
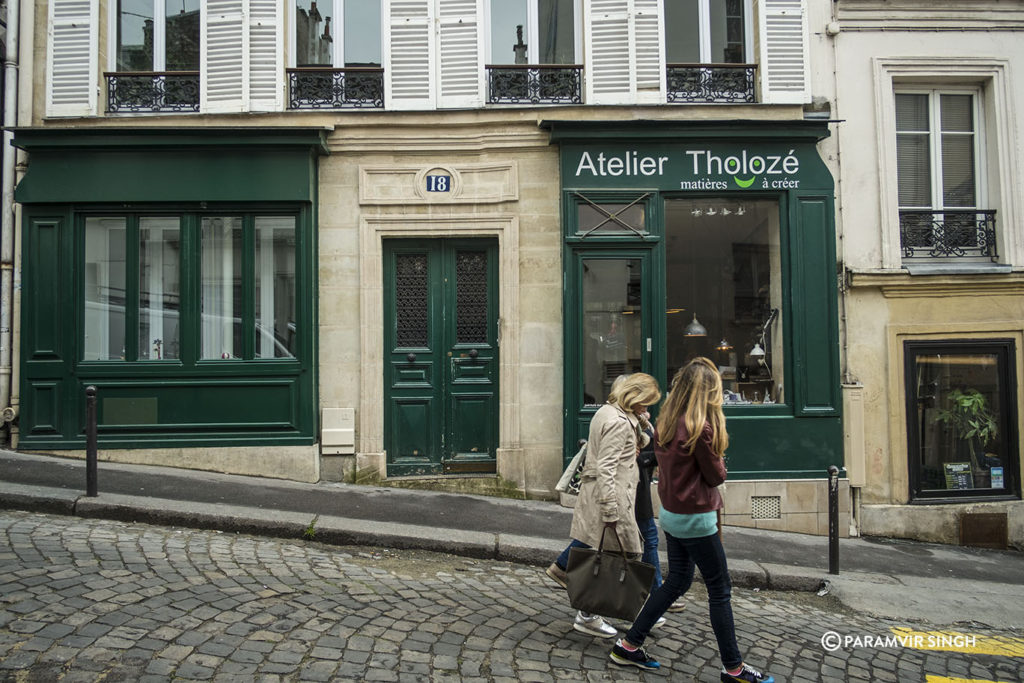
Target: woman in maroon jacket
x: 690, y: 445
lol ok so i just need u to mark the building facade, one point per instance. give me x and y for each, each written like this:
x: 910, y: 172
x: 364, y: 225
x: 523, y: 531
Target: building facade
x: 931, y: 248
x: 420, y: 238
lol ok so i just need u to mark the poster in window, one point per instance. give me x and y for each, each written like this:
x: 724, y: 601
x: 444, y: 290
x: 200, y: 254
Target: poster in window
x: 958, y: 475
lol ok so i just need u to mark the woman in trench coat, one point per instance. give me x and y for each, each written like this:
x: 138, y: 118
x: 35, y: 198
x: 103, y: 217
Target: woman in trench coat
x: 608, y: 482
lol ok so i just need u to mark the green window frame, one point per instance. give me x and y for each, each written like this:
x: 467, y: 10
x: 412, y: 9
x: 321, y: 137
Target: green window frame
x: 225, y: 285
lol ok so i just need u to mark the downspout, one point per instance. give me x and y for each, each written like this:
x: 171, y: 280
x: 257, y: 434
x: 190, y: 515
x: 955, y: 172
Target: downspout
x: 7, y: 209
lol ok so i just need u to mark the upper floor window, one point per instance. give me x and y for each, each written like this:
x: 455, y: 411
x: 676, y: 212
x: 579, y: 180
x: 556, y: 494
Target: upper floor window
x: 533, y: 32
x: 705, y: 32
x: 320, y: 40
x: 937, y: 162
x: 153, y: 35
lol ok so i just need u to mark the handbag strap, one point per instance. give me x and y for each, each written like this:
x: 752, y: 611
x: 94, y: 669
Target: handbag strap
x: 600, y: 546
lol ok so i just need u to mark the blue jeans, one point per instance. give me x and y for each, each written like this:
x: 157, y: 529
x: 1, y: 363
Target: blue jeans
x: 649, y: 532
x: 709, y: 556
x: 563, y: 559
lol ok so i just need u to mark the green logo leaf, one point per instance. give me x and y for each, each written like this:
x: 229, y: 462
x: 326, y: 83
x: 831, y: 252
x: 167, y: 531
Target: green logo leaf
x: 745, y: 183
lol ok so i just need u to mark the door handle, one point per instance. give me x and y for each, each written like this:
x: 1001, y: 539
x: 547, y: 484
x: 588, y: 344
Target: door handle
x: 411, y: 357
x: 473, y: 353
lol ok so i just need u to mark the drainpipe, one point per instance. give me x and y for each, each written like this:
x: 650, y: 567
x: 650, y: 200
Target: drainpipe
x: 7, y: 210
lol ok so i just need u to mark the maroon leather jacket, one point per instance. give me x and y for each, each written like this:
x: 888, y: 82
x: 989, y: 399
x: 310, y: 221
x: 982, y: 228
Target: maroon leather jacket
x: 688, y: 481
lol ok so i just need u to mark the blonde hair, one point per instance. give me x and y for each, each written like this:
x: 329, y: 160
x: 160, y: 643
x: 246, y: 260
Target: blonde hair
x: 696, y: 395
x: 639, y: 388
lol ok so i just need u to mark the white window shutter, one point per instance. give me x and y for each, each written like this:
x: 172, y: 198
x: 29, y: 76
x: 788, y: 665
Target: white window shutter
x: 784, y: 68
x: 72, y: 52
x: 460, y: 50
x: 408, y: 55
x: 266, y: 55
x: 650, y: 51
x: 608, y: 50
x: 224, y: 70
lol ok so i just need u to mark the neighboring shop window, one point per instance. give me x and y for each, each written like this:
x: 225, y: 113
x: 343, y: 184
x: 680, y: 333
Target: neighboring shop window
x: 723, y: 284
x: 962, y: 419
x: 246, y: 299
x: 321, y: 40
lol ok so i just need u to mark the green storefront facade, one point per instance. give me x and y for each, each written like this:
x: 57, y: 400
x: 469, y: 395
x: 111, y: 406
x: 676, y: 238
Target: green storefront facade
x: 175, y: 271
x: 713, y: 239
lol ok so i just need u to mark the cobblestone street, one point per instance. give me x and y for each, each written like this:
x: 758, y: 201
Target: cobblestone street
x: 87, y: 600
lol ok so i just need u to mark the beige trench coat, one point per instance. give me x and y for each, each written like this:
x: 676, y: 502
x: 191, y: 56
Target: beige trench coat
x: 609, y: 479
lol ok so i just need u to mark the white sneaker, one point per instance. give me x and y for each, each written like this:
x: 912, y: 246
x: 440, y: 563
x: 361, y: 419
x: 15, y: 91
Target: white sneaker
x: 660, y: 622
x: 593, y: 625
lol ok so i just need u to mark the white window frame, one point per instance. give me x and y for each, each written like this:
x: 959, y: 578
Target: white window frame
x: 704, y: 19
x: 338, y: 46
x: 935, y: 144
x: 991, y: 78
x: 533, y: 29
x: 159, y: 36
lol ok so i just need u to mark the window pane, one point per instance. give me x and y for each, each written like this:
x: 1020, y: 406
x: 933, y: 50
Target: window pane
x: 957, y: 113
x: 362, y: 33
x: 912, y: 113
x: 682, y: 32
x: 159, y: 288
x: 135, y: 35
x: 507, y: 17
x: 221, y: 297
x: 611, y: 324
x: 724, y: 274
x: 727, y: 32
x: 557, y: 36
x: 183, y: 35
x: 958, y: 170
x: 597, y: 221
x: 313, y: 41
x: 104, y: 289
x: 275, y: 287
x: 913, y: 170
x: 960, y: 422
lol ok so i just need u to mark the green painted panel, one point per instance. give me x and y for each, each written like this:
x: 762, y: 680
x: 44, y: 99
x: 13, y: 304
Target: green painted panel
x: 474, y: 416
x: 816, y: 338
x: 42, y: 401
x: 783, y: 447
x: 129, y: 411
x: 44, y: 285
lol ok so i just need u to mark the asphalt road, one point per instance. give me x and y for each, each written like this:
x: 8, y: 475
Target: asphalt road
x: 92, y: 599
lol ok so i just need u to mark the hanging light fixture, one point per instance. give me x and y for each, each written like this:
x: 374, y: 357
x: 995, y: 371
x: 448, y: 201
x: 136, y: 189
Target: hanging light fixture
x: 724, y: 345
x: 695, y: 329
x: 757, y: 351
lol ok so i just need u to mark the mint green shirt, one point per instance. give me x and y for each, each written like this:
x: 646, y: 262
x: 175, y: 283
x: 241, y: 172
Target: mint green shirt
x: 697, y: 525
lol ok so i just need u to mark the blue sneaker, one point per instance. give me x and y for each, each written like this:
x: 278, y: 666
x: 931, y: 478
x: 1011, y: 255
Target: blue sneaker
x: 747, y: 674
x: 637, y: 657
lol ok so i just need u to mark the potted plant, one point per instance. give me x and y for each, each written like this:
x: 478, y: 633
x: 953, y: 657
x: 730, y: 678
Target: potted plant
x: 969, y: 417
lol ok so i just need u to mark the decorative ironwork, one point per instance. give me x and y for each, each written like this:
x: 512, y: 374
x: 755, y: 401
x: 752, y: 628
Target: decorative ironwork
x: 411, y: 300
x: 471, y: 297
x: 319, y: 88
x: 948, y: 234
x: 710, y: 82
x: 152, y: 91
x: 531, y: 84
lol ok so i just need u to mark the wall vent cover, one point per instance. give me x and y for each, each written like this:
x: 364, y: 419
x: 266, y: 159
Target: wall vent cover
x: 766, y: 507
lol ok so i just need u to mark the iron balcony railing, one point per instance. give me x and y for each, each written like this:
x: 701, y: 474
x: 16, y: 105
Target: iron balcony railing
x: 948, y: 233
x: 152, y: 91
x: 326, y: 88
x: 722, y: 83
x: 535, y: 84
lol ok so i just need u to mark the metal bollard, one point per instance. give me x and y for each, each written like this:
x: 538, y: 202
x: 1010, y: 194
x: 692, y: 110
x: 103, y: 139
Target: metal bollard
x: 90, y: 441
x: 833, y: 519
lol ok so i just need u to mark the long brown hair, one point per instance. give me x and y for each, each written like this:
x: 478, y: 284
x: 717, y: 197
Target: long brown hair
x: 696, y: 395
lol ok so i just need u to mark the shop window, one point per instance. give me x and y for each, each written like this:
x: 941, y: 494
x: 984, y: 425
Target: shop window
x: 246, y: 300
x: 937, y: 165
x: 962, y: 419
x: 723, y: 286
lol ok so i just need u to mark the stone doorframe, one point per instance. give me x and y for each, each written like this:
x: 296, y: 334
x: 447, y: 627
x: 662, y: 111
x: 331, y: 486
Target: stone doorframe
x: 370, y: 418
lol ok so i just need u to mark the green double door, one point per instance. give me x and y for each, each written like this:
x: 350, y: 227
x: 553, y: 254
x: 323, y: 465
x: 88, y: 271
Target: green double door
x: 441, y: 356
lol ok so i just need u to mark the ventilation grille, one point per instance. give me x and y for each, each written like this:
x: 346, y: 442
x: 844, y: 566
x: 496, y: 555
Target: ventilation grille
x: 766, y: 507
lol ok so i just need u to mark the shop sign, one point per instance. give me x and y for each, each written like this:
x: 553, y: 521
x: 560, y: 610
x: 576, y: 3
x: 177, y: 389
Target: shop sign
x: 760, y: 167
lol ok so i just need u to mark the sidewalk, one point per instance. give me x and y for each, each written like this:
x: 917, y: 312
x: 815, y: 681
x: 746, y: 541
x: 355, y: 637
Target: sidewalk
x: 900, y: 579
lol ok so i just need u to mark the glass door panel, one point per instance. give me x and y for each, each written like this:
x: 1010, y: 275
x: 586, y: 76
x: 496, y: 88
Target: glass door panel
x: 612, y: 325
